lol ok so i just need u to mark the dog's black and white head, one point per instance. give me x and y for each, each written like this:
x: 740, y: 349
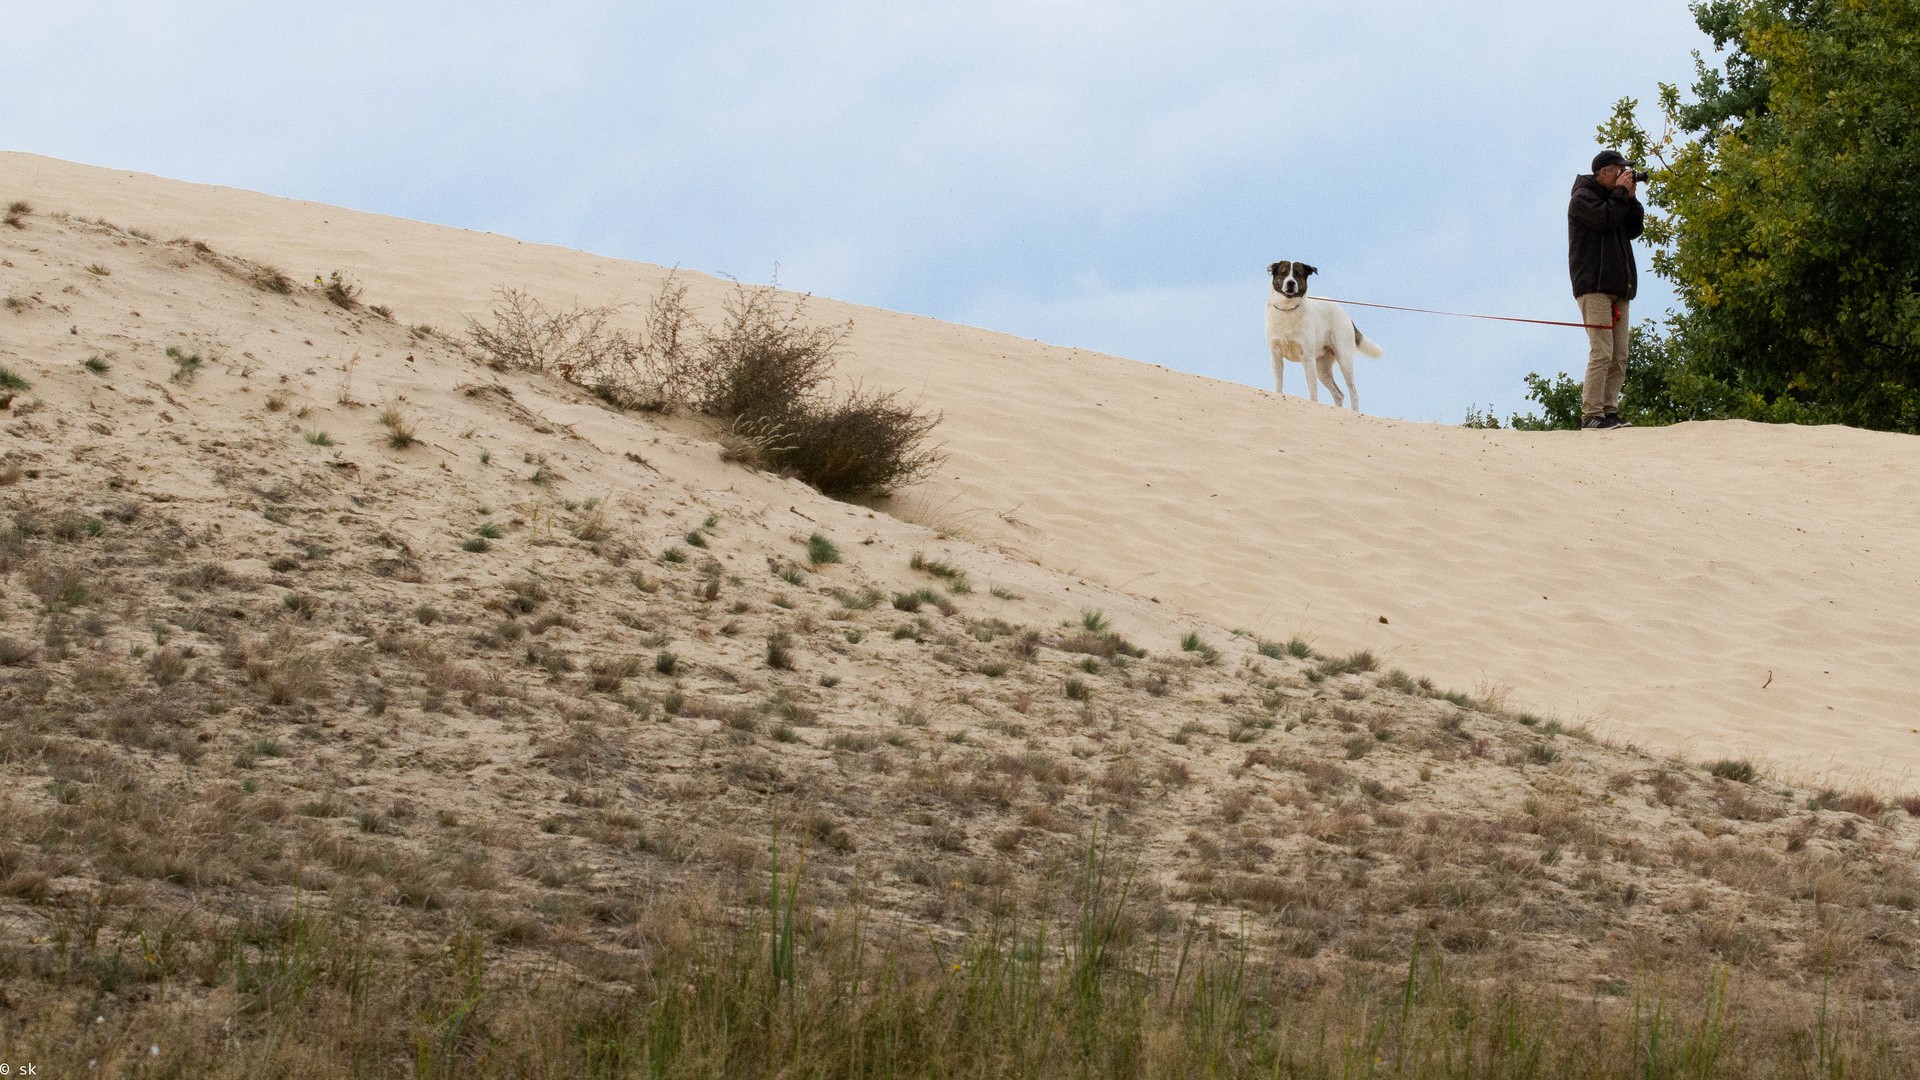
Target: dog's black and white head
x: 1290, y: 278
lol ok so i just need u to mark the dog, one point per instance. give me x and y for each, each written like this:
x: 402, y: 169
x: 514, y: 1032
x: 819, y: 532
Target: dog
x: 1315, y: 333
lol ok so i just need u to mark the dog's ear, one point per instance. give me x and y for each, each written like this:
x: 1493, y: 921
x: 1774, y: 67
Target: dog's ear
x: 1308, y: 271
x: 1273, y: 268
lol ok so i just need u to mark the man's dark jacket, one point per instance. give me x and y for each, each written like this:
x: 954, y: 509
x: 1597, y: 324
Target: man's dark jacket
x: 1602, y: 223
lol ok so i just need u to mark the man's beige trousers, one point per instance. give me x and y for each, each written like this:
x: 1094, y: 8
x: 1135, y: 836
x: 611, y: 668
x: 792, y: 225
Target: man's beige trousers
x: 1606, y: 357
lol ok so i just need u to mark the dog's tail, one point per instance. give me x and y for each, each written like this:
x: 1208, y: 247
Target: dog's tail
x: 1366, y: 345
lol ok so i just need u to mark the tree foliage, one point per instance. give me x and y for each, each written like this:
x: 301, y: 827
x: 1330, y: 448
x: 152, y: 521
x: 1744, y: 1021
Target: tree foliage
x: 1787, y: 214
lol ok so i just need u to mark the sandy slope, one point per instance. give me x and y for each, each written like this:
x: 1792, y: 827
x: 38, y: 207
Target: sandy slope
x: 1651, y: 581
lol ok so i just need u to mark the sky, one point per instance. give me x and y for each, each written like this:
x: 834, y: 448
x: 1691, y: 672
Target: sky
x: 1113, y: 176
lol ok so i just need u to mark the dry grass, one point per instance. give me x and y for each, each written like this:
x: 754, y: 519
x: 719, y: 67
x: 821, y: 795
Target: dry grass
x: 340, y: 291
x: 441, y: 816
x: 400, y: 428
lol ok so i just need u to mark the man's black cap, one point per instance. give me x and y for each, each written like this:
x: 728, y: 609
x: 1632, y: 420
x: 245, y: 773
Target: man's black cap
x: 1607, y: 157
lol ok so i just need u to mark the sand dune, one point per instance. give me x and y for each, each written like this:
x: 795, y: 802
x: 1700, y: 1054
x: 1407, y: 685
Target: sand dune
x: 1722, y: 588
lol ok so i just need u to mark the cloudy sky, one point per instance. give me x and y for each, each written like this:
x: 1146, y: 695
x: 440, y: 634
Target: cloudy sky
x: 1108, y: 175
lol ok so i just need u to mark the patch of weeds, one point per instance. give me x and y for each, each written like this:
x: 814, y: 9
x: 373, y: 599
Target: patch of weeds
x: 1005, y: 593
x: 911, y: 602
x: 666, y: 663
x: 820, y: 550
x: 866, y: 600
x: 1741, y: 771
x: 97, y: 365
x: 673, y: 555
x: 319, y: 438
x: 696, y: 539
x: 490, y: 531
x: 955, y: 577
x: 1190, y: 642
x: 1089, y: 665
x: 427, y: 614
x: 780, y: 650
x: 1299, y: 648
x: 992, y: 669
x: 185, y: 365
x: 793, y: 575
x: 855, y: 637
x: 1351, y: 664
x: 1542, y: 754
x: 476, y: 544
x: 400, y: 430
x: 1077, y: 690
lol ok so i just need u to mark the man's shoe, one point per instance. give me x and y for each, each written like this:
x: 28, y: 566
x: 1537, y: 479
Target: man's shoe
x: 1613, y: 420
x: 1594, y: 423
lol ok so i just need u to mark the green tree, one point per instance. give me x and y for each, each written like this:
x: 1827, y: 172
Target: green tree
x: 1788, y: 218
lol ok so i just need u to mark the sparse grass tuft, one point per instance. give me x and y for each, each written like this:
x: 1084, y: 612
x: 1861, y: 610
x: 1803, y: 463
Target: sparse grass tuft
x: 865, y: 600
x: 185, y: 365
x: 400, y: 431
x: 955, y: 577
x: 1299, y: 648
x: 820, y: 550
x: 319, y: 438
x: 11, y: 380
x: 912, y: 601
x: 780, y: 650
x: 97, y: 365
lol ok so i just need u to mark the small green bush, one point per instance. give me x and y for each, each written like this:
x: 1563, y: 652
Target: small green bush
x: 821, y: 550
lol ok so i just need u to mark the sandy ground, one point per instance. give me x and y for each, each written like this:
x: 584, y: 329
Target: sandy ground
x: 1712, y: 588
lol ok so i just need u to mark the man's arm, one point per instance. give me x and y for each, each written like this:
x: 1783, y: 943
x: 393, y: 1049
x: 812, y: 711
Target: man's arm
x: 1634, y: 220
x: 1617, y: 210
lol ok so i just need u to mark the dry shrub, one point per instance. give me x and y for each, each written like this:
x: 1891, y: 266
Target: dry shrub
x: 167, y: 666
x: 288, y: 668
x: 764, y: 368
x: 270, y: 279
x: 341, y: 291
x: 1863, y: 803
x: 14, y: 653
x: 651, y: 369
x: 609, y: 674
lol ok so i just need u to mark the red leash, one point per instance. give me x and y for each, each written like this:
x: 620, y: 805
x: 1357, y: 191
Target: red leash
x: 1496, y: 318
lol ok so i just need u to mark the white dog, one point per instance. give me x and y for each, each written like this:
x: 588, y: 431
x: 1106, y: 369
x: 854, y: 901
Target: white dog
x: 1315, y: 333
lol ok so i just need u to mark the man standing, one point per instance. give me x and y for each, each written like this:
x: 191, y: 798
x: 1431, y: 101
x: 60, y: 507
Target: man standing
x: 1603, y: 220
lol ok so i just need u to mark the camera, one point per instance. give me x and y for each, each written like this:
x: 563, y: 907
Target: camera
x: 1638, y: 176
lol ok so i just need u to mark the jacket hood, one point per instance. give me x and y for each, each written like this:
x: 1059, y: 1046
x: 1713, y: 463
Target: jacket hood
x: 1586, y: 180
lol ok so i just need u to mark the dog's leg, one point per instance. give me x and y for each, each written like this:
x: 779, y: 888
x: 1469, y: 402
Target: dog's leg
x: 1346, y: 368
x: 1324, y: 364
x: 1279, y: 367
x: 1313, y: 386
